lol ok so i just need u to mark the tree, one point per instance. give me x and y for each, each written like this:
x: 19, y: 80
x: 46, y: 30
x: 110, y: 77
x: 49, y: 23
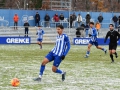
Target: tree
x: 46, y: 5
x: 2, y: 3
x: 98, y: 4
x: 80, y: 5
x: 37, y: 3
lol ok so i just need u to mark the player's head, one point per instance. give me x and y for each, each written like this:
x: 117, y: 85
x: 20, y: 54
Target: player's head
x: 111, y: 26
x: 60, y: 29
x: 91, y: 24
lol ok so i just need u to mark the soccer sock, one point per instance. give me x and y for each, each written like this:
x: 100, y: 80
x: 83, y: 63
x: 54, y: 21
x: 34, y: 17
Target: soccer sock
x: 40, y: 46
x: 42, y: 68
x: 59, y: 71
x: 103, y: 49
x: 88, y: 52
x: 111, y: 56
x: 115, y: 54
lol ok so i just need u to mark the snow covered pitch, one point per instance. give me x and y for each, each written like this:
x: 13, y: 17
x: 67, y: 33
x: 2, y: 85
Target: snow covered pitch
x: 94, y: 73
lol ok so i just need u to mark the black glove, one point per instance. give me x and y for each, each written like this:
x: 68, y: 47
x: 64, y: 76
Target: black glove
x: 63, y: 57
x: 90, y: 35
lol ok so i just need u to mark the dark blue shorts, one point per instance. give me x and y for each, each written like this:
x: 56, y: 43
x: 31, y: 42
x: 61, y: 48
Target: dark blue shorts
x: 40, y: 40
x: 52, y: 57
x: 93, y: 43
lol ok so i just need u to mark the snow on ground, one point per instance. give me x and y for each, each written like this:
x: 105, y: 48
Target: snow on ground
x: 95, y: 73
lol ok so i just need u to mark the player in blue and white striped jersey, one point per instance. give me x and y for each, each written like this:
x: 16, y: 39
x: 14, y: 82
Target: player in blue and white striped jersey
x: 40, y: 33
x: 93, y: 40
x: 57, y: 54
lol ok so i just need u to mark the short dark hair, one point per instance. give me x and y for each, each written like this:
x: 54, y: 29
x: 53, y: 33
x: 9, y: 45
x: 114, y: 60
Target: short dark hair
x: 60, y: 26
x: 111, y: 25
x: 39, y: 26
x: 91, y: 23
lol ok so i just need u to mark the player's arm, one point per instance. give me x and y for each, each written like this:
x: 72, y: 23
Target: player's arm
x: 118, y: 36
x: 37, y: 33
x: 43, y: 32
x: 94, y: 32
x: 107, y: 35
x: 67, y: 48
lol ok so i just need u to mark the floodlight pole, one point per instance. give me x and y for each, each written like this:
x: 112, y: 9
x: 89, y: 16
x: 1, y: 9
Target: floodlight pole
x: 69, y: 15
x: 24, y: 4
x: 27, y: 6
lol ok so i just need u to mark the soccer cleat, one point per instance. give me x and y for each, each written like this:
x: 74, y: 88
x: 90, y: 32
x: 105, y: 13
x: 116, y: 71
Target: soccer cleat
x: 112, y: 62
x: 37, y: 79
x: 86, y: 56
x: 105, y: 51
x: 63, y: 76
x: 40, y: 47
x: 116, y: 56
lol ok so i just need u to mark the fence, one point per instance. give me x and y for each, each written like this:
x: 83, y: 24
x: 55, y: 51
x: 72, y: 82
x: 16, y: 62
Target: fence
x: 6, y: 16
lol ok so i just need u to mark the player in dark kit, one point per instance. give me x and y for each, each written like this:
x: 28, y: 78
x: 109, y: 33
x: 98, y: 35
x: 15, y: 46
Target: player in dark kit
x: 114, y: 37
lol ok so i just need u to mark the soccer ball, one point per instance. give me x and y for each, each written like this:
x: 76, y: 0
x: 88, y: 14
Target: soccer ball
x: 15, y: 82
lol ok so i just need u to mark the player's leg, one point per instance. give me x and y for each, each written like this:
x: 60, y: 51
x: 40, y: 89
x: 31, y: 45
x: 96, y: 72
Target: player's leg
x: 48, y: 58
x: 38, y: 42
x: 99, y: 47
x: 116, y: 55
x: 114, y: 50
x: 111, y: 56
x: 88, y: 50
x: 55, y: 66
x: 56, y: 63
x: 110, y: 51
x: 41, y: 44
x: 42, y: 68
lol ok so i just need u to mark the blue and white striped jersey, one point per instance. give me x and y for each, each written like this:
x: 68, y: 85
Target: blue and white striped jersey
x: 94, y: 35
x: 62, y: 45
x: 40, y: 33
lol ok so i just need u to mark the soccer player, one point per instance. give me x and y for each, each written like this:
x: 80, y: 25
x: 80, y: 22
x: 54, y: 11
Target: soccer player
x: 93, y: 40
x: 114, y: 37
x: 57, y: 54
x: 40, y: 33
